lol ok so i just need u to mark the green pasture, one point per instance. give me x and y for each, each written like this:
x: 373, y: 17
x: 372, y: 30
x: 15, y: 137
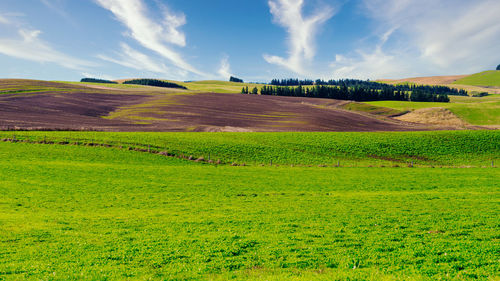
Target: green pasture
x: 95, y: 213
x: 474, y: 110
x: 434, y: 148
x: 218, y: 86
x: 489, y: 78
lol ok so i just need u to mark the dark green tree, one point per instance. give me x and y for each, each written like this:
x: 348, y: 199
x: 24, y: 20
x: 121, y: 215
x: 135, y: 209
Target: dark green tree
x: 235, y: 79
x: 255, y: 91
x: 498, y: 67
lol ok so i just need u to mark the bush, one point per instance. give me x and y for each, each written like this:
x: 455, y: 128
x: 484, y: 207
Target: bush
x: 479, y: 94
x: 154, y: 83
x: 94, y: 80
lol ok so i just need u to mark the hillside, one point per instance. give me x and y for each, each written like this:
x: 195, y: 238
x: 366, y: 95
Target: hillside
x: 489, y: 78
x: 40, y: 105
x: 217, y: 106
x: 432, y: 80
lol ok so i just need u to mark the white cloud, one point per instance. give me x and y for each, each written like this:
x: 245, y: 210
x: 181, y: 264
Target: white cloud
x: 152, y: 35
x: 432, y: 37
x: 225, y: 68
x: 301, y: 32
x: 98, y: 76
x: 30, y: 47
x: 3, y: 20
x: 371, y: 65
x: 134, y: 59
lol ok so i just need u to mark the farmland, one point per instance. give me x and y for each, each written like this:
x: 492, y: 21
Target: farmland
x: 279, y: 205
x: 474, y: 110
x: 83, y: 212
x: 446, y: 148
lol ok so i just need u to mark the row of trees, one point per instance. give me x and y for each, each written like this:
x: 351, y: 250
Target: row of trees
x: 235, y: 79
x: 95, y: 80
x: 351, y: 83
x: 291, y: 82
x: 356, y: 93
x: 154, y: 83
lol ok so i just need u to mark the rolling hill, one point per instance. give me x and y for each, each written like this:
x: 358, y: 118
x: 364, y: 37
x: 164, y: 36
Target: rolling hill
x: 217, y: 106
x: 40, y: 105
x: 489, y: 78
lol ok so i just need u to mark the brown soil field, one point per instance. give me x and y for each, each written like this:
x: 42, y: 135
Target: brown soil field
x: 436, y: 116
x: 432, y: 80
x: 40, y: 105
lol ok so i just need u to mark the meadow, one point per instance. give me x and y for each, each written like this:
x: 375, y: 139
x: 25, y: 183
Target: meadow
x: 474, y: 110
x: 102, y: 213
x: 489, y: 78
x: 433, y: 148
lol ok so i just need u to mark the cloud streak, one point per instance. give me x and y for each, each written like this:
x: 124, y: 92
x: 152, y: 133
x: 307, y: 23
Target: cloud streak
x: 28, y: 46
x: 134, y: 59
x: 225, y: 68
x: 155, y: 36
x: 301, y: 32
x: 428, y: 37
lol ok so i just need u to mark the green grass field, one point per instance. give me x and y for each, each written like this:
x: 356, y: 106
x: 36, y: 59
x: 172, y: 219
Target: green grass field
x: 475, y: 111
x: 73, y: 212
x: 441, y: 148
x: 489, y: 78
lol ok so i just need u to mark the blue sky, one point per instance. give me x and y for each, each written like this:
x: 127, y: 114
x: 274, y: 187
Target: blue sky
x: 256, y: 40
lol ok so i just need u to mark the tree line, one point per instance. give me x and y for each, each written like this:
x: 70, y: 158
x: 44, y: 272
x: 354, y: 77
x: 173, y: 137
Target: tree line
x: 350, y: 83
x: 154, y: 83
x: 356, y: 93
x: 95, y: 80
x: 235, y: 79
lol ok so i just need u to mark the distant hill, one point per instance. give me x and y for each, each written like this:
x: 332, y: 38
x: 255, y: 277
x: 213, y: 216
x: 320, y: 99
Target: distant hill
x: 489, y: 78
x: 431, y: 80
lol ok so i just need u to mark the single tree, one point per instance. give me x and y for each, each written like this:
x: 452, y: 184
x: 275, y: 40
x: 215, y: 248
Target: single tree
x: 498, y: 67
x: 255, y: 91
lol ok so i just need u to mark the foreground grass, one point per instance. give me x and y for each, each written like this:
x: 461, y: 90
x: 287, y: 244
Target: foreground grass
x: 70, y: 212
x: 442, y: 148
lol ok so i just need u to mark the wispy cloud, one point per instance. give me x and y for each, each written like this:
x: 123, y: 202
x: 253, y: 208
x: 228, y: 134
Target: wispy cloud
x: 134, y: 59
x: 56, y: 6
x: 429, y: 37
x: 98, y: 76
x: 156, y: 36
x: 3, y: 20
x: 301, y: 31
x: 225, y: 68
x: 29, y: 46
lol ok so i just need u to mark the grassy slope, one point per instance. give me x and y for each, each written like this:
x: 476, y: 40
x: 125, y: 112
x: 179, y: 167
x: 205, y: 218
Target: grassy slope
x: 489, y: 78
x: 71, y: 212
x: 197, y: 86
x: 454, y: 148
x: 476, y: 111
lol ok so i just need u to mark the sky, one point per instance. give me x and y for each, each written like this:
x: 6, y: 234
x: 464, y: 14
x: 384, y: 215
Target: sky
x: 256, y: 40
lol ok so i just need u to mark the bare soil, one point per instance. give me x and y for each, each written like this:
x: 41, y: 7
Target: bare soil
x: 75, y: 107
x: 432, y: 80
x: 434, y: 116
